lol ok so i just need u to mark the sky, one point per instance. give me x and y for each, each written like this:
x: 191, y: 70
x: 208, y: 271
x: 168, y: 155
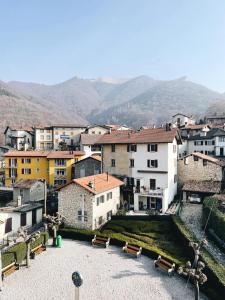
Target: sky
x: 50, y: 41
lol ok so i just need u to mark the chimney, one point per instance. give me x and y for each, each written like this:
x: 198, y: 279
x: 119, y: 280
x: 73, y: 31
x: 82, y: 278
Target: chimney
x: 19, y: 201
x: 91, y: 184
x: 168, y: 128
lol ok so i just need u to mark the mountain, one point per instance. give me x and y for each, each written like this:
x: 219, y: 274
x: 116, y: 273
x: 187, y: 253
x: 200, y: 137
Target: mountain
x: 136, y: 101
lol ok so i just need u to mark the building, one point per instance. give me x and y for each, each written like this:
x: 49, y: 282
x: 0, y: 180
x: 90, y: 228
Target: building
x: 86, y: 167
x: 147, y: 162
x: 200, y: 174
x: 43, y: 137
x: 29, y: 190
x: 14, y: 216
x: 89, y: 144
x: 97, y: 129
x: 89, y: 202
x: 53, y: 166
x: 215, y: 119
x: 66, y: 135
x: 180, y: 119
x: 114, y: 127
x: 19, y: 138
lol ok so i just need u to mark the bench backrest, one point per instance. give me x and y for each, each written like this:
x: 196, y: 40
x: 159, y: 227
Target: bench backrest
x: 133, y: 248
x: 166, y: 263
x: 100, y: 238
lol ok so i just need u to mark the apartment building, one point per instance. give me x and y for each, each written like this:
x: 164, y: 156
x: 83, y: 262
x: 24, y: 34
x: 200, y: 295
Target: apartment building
x: 43, y: 137
x: 53, y: 166
x: 19, y: 138
x: 147, y: 162
x: 89, y: 143
x: 180, y: 119
x: 89, y: 202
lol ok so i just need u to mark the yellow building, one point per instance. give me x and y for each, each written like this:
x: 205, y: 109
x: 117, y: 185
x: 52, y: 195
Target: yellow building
x: 53, y: 166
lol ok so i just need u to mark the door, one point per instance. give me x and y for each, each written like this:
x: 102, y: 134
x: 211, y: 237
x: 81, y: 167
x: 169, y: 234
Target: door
x: 148, y: 202
x: 138, y: 185
x: 152, y: 184
x: 82, y: 172
x: 34, y: 217
x: 221, y: 152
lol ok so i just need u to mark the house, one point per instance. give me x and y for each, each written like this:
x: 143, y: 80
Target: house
x: 114, y: 127
x: 86, y: 167
x: 220, y: 119
x: 200, y: 174
x: 194, y: 129
x: 210, y: 142
x: 55, y: 167
x: 19, y: 138
x: 97, y: 129
x: 43, y: 137
x: 89, y: 144
x: 14, y: 216
x: 89, y: 202
x: 29, y: 190
x: 147, y: 162
x: 180, y: 119
x: 67, y: 135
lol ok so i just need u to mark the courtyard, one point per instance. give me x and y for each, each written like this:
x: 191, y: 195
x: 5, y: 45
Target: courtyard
x: 108, y: 274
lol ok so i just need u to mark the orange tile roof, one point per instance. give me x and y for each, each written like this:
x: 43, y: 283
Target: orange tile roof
x: 48, y: 154
x: 96, y: 156
x: 101, y: 183
x: 64, y: 154
x: 153, y: 135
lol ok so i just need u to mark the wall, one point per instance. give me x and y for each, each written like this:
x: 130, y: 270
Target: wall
x: 198, y: 148
x: 86, y: 167
x: 195, y: 170
x: 97, y: 130
x: 35, y: 193
x: 72, y: 133
x: 47, y: 140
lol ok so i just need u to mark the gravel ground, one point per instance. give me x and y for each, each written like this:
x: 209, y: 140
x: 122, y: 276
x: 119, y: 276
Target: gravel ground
x: 191, y: 215
x: 108, y: 274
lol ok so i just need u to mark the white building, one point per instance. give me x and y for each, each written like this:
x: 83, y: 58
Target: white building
x: 97, y: 129
x: 13, y: 217
x: 19, y: 138
x: 89, y: 202
x: 88, y: 144
x: 180, y: 119
x: 148, y: 161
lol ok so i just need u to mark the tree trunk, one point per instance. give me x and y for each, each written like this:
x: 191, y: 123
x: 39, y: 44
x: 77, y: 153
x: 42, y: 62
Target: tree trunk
x: 196, y: 290
x: 54, y: 236
x: 28, y: 255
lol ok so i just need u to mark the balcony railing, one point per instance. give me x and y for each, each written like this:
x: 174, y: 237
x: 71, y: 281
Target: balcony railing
x: 148, y: 191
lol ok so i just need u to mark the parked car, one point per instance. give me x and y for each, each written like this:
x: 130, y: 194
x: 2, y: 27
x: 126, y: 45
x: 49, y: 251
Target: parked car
x: 194, y: 198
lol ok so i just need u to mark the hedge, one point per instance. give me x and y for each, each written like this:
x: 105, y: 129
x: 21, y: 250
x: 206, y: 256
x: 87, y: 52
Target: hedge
x: 18, y: 252
x: 217, y: 218
x: 214, y: 288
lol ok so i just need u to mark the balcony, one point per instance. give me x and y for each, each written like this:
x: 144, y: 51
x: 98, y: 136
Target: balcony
x: 146, y: 191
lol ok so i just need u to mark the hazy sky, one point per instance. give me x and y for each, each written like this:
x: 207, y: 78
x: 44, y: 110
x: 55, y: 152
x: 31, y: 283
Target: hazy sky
x: 49, y: 41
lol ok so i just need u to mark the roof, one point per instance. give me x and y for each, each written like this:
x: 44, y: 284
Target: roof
x: 208, y: 135
x: 97, y: 125
x: 195, y: 126
x: 180, y: 114
x: 69, y: 126
x: 101, y: 183
x: 153, y: 135
x: 206, y: 157
x: 207, y: 186
x: 116, y: 126
x: 216, y: 117
x: 89, y: 139
x: 48, y: 154
x: 220, y: 197
x: 97, y: 157
x: 18, y: 128
x: 25, y: 183
x: 64, y: 154
x: 23, y: 208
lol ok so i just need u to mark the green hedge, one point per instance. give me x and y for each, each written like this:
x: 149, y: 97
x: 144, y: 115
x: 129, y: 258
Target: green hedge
x: 214, y: 288
x: 217, y: 218
x: 18, y: 252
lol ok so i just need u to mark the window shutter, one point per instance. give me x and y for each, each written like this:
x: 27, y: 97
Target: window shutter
x: 156, y: 148
x: 128, y: 148
x: 156, y: 163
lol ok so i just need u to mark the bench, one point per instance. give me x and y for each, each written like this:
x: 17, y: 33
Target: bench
x: 11, y: 268
x: 37, y: 250
x: 100, y: 240
x: 132, y: 249
x: 164, y: 265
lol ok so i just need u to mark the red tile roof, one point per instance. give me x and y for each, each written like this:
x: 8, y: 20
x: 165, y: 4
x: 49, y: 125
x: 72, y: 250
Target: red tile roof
x: 64, y: 154
x: 48, y: 154
x: 89, y: 139
x: 101, y: 183
x: 153, y: 135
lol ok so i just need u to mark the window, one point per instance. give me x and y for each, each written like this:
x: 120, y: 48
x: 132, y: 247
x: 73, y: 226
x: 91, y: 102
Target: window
x: 26, y: 171
x: 42, y: 131
x: 204, y: 162
x: 23, y: 219
x: 60, y: 162
x: 113, y: 163
x: 37, y: 170
x: 152, y: 203
x: 48, y: 131
x: 97, y: 201
x: 175, y: 178
x: 99, y: 132
x: 60, y: 172
x: 26, y: 160
x: 100, y: 220
x: 85, y: 216
x: 102, y: 199
x: 221, y: 139
x: 195, y: 158
x: 132, y: 148
x: 79, y: 215
x: 109, y: 196
x: 47, y: 170
x: 152, y: 184
x: 109, y: 215
x: 8, y: 225
x: 113, y: 147
x: 152, y: 163
x: 59, y: 182
x: 37, y: 159
x: 198, y: 143
x: 174, y: 148
x: 48, y: 137
x: 131, y: 163
x: 152, y: 147
x: 93, y: 132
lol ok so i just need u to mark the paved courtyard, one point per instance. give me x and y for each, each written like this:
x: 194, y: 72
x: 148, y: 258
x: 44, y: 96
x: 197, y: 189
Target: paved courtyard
x: 108, y: 275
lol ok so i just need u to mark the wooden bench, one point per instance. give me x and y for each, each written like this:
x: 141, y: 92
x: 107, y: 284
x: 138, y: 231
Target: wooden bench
x: 164, y: 265
x: 11, y: 268
x: 132, y: 249
x: 37, y: 250
x: 100, y: 241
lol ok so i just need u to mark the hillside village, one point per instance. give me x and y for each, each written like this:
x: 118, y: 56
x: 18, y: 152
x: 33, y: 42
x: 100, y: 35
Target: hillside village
x: 91, y: 174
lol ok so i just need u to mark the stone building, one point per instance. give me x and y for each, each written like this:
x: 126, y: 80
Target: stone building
x: 29, y: 190
x: 86, y: 167
x: 89, y: 202
x: 200, y: 174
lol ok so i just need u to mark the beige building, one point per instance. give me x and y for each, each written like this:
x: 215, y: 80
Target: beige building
x: 200, y: 174
x: 89, y: 202
x: 43, y: 137
x: 97, y: 129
